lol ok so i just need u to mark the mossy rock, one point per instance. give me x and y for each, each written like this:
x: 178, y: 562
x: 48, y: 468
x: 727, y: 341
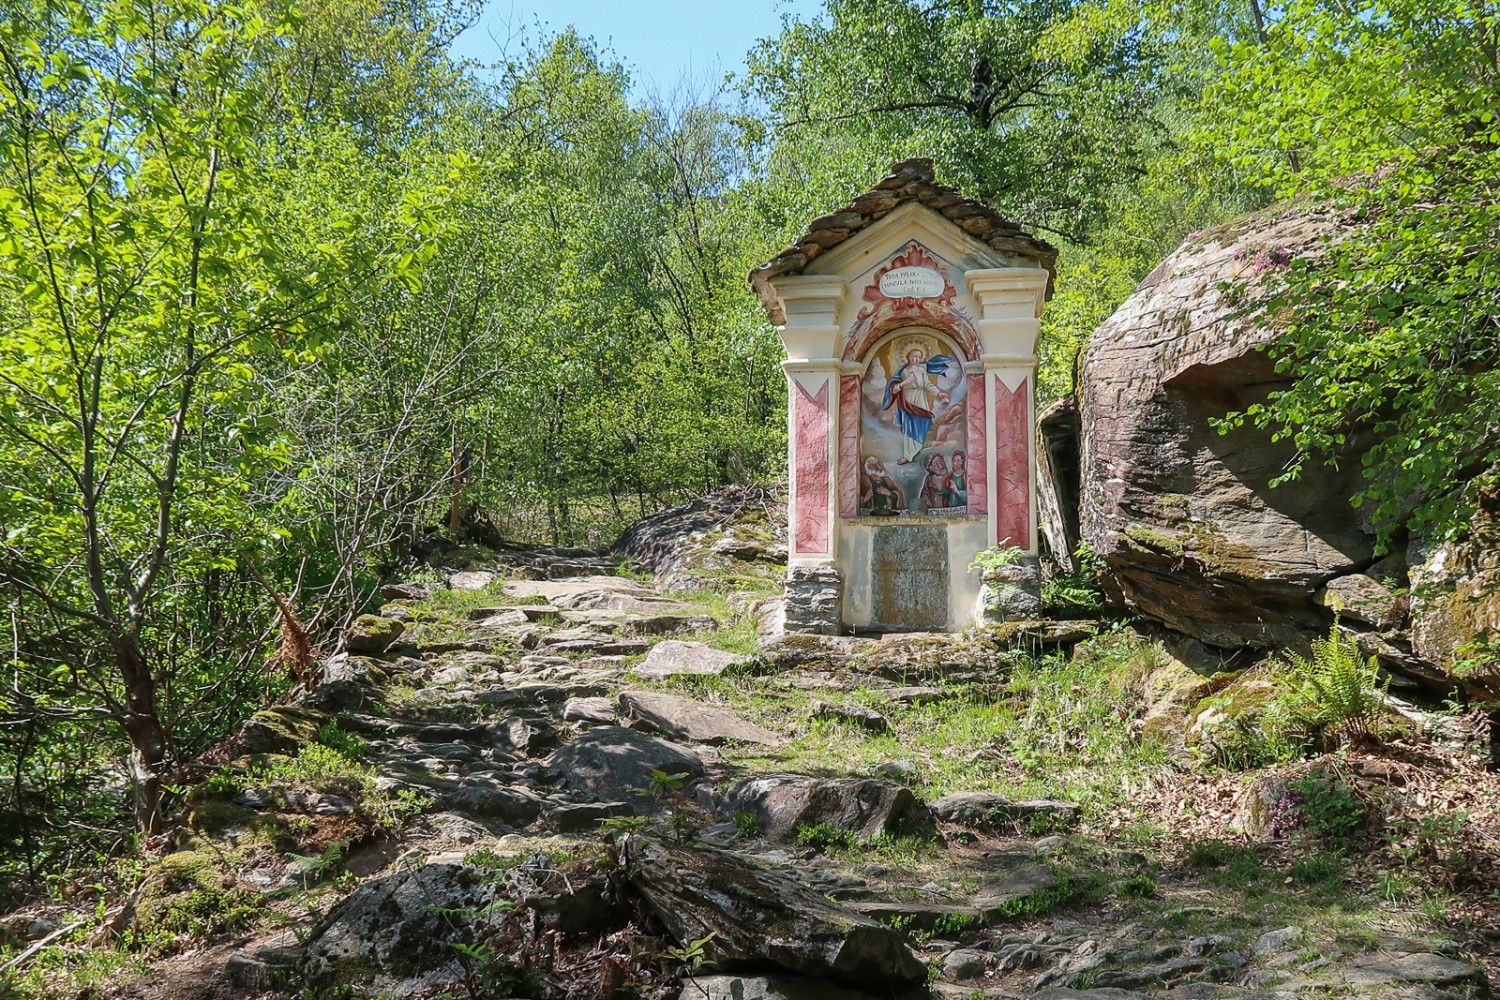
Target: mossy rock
x: 1235, y: 727
x: 1168, y: 691
x: 1148, y: 540
x: 216, y: 821
x: 1246, y: 696
x: 214, y: 817
x: 283, y: 729
x: 188, y: 894
x: 372, y: 635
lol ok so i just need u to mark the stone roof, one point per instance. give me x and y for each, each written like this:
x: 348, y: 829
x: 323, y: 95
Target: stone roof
x: 908, y: 181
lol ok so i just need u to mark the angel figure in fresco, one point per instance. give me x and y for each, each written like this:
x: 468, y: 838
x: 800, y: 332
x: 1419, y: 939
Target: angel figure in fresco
x: 914, y: 392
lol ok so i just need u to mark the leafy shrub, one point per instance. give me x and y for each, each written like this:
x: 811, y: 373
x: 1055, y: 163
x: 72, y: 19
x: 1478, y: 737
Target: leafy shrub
x: 1136, y: 887
x: 1248, y: 742
x: 346, y: 744
x: 747, y: 823
x: 825, y: 836
x: 1320, y: 804
x: 1337, y: 690
x: 1317, y: 869
x: 996, y: 557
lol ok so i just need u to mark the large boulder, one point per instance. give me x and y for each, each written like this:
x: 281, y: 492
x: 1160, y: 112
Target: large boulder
x: 759, y: 918
x: 747, y: 523
x: 988, y: 811
x: 1185, y: 516
x: 1456, y: 609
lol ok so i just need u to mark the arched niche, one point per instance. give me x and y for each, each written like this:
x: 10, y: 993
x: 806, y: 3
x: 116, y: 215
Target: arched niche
x: 913, y: 443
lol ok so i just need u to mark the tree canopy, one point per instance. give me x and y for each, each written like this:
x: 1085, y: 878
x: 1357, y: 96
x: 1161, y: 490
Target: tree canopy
x: 286, y: 284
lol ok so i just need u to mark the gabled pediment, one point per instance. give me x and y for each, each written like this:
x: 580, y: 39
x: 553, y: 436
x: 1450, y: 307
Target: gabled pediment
x: 908, y: 201
x: 871, y: 246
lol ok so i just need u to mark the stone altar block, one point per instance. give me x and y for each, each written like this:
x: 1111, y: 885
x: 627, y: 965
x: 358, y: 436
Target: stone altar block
x: 910, y: 319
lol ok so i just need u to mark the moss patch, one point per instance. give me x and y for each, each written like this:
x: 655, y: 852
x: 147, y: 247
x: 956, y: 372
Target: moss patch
x: 188, y: 895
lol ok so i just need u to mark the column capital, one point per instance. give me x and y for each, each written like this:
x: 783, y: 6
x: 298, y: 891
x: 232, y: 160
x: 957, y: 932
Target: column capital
x: 1009, y: 292
x: 810, y: 303
x: 993, y: 361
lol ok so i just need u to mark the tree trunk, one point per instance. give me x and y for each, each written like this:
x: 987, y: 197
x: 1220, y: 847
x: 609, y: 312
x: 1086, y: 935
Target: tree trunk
x: 148, y: 739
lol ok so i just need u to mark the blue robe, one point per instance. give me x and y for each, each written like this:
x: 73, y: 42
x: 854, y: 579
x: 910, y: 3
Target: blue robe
x: 914, y: 421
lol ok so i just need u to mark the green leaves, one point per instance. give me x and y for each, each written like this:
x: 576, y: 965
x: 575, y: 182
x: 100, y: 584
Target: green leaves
x: 1381, y: 112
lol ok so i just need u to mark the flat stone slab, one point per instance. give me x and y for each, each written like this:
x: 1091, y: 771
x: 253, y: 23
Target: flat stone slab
x: 677, y: 658
x: 686, y: 718
x: 999, y: 901
x: 918, y: 695
x: 614, y: 764
x: 867, y: 807
x: 1040, y: 634
x: 600, y: 711
x: 1427, y: 968
x: 502, y: 615
x: 606, y: 646
x: 1274, y: 942
x: 792, y: 650
x: 855, y: 715
x: 471, y: 580
x: 667, y: 624
x: 594, y: 593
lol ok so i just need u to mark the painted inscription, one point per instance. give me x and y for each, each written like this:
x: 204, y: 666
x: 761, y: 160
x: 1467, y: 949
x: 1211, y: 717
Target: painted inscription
x: 913, y: 433
x: 912, y: 288
x: 913, y: 282
x: 811, y: 449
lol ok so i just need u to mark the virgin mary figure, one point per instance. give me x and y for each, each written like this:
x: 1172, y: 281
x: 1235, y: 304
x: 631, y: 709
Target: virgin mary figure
x: 914, y: 392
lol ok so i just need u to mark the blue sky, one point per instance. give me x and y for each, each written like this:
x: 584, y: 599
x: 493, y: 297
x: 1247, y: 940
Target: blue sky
x: 663, y: 43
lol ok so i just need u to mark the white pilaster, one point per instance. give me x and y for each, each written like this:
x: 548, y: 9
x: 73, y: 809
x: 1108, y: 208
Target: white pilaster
x: 1010, y: 301
x: 811, y: 336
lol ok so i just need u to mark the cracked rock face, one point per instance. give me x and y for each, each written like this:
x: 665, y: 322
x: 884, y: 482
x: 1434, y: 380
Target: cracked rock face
x: 389, y: 934
x: 759, y: 917
x: 1185, y: 516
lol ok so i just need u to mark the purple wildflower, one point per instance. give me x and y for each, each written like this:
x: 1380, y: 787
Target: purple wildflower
x: 1271, y: 259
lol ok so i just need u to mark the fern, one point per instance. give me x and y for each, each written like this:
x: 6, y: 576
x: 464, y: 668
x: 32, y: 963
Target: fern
x: 1337, y: 689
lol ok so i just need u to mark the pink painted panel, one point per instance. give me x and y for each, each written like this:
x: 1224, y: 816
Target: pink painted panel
x: 810, y: 504
x: 979, y: 455
x: 849, y: 446
x: 1012, y: 466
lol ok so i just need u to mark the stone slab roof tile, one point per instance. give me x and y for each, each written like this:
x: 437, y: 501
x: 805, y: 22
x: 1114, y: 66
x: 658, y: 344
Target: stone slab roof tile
x: 909, y: 181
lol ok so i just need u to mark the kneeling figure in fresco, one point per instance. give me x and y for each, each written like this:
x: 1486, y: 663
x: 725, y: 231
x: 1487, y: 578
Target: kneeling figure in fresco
x: 878, y: 492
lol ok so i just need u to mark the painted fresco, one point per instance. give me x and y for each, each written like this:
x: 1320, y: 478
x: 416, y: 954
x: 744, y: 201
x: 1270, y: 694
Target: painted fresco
x: 913, y: 288
x: 913, y: 431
